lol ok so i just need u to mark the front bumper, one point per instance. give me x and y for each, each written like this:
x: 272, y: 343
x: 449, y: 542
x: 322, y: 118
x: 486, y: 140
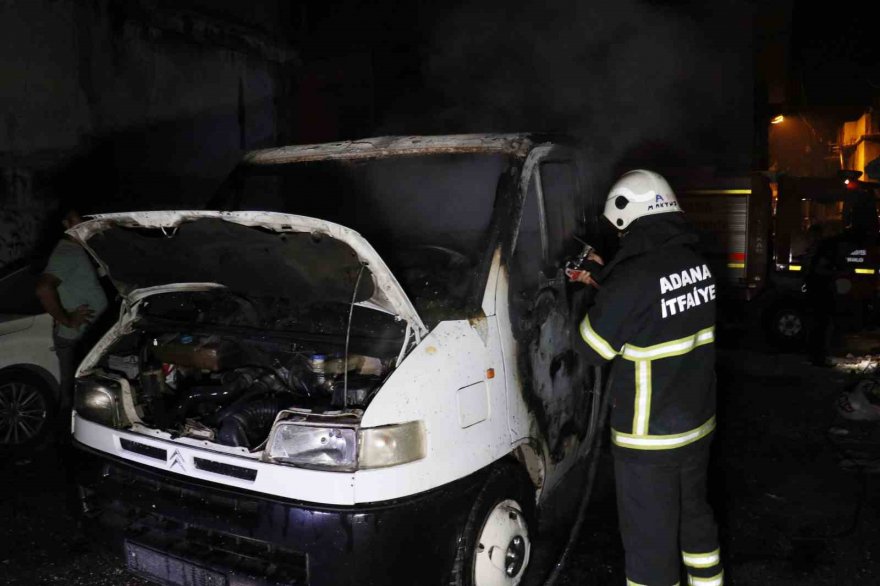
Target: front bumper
x: 174, y: 530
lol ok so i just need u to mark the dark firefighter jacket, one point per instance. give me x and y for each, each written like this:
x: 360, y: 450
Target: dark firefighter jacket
x: 654, y: 315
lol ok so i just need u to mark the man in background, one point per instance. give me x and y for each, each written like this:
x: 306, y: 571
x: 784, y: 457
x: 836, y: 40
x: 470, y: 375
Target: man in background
x: 70, y: 292
x: 820, y: 268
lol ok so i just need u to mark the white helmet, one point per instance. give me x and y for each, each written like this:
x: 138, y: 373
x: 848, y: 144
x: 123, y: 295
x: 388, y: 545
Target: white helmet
x: 636, y: 194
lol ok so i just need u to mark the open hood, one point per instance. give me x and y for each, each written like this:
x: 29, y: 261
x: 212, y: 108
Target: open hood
x: 263, y: 254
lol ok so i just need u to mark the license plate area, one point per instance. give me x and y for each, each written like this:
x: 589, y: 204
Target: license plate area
x: 169, y: 570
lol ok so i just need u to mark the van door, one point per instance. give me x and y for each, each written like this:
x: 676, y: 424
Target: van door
x: 545, y: 308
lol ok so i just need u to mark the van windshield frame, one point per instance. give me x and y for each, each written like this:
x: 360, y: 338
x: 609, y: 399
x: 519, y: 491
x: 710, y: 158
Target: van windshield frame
x: 432, y: 217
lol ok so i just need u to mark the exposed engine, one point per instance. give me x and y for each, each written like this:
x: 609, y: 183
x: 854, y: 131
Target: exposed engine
x: 229, y: 390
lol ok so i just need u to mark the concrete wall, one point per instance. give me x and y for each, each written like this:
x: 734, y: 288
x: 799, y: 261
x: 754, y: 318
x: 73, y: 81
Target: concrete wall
x: 136, y: 104
x: 22, y: 211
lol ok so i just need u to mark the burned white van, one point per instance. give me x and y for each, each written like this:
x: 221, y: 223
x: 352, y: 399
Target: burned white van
x: 361, y: 368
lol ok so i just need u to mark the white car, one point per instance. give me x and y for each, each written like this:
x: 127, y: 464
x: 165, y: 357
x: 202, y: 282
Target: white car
x: 28, y: 365
x: 370, y: 377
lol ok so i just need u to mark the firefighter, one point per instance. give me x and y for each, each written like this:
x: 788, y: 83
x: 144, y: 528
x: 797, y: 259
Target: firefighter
x: 654, y: 318
x: 821, y: 266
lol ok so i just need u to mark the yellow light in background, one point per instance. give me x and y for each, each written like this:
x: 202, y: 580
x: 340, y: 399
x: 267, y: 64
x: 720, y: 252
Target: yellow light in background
x: 864, y: 271
x: 794, y: 267
x: 736, y: 265
x: 777, y: 119
x: 719, y: 191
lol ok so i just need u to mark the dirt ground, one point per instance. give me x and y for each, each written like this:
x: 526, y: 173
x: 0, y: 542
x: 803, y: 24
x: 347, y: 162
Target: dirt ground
x: 789, y: 512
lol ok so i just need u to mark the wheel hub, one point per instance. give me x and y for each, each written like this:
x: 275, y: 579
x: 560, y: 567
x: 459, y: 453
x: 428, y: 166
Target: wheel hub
x: 789, y: 325
x: 516, y: 553
x: 22, y: 413
x: 503, y: 548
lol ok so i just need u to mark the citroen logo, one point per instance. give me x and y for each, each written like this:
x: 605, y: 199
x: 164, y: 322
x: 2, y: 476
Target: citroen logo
x: 176, y: 459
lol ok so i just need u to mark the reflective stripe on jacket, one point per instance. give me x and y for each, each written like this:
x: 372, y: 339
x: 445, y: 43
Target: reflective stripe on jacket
x: 654, y: 315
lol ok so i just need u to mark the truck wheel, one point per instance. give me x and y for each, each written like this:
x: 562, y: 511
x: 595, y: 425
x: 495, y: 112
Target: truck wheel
x: 496, y: 542
x: 26, y: 408
x: 786, y: 326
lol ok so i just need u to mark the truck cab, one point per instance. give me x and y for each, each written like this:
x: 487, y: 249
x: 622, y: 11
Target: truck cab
x: 839, y: 212
x: 761, y: 232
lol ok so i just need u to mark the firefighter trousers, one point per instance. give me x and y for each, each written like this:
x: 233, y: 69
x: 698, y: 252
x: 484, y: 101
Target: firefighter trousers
x: 665, y: 519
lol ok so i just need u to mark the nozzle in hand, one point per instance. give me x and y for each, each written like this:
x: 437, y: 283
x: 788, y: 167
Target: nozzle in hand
x: 582, y: 268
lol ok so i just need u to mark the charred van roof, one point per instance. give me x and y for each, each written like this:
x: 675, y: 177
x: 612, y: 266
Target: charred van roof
x: 396, y: 146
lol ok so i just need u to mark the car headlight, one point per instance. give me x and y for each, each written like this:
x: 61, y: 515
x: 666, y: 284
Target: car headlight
x: 391, y: 445
x: 314, y: 446
x: 98, y: 400
x: 345, y: 449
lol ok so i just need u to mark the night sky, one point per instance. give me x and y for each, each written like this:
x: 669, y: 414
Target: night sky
x: 836, y: 57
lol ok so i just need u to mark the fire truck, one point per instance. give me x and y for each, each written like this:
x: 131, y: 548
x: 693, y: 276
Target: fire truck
x: 760, y: 233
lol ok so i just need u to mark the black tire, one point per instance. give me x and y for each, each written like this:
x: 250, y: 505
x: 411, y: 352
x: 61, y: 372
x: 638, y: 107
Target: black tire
x: 507, y: 481
x: 786, y: 326
x: 27, y: 410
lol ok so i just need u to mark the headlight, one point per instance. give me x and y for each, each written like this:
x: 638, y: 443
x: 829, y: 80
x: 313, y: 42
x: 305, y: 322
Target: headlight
x: 97, y: 399
x: 391, y: 445
x: 345, y: 449
x: 313, y: 446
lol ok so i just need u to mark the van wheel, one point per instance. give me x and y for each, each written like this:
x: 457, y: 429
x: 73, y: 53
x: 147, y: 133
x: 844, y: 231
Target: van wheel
x: 26, y: 408
x: 496, y: 542
x: 786, y: 325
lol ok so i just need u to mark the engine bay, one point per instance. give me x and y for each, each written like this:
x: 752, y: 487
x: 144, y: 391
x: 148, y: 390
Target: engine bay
x: 221, y: 375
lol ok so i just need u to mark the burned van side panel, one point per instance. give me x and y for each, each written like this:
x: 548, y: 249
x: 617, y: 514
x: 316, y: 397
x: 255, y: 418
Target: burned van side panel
x: 548, y: 383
